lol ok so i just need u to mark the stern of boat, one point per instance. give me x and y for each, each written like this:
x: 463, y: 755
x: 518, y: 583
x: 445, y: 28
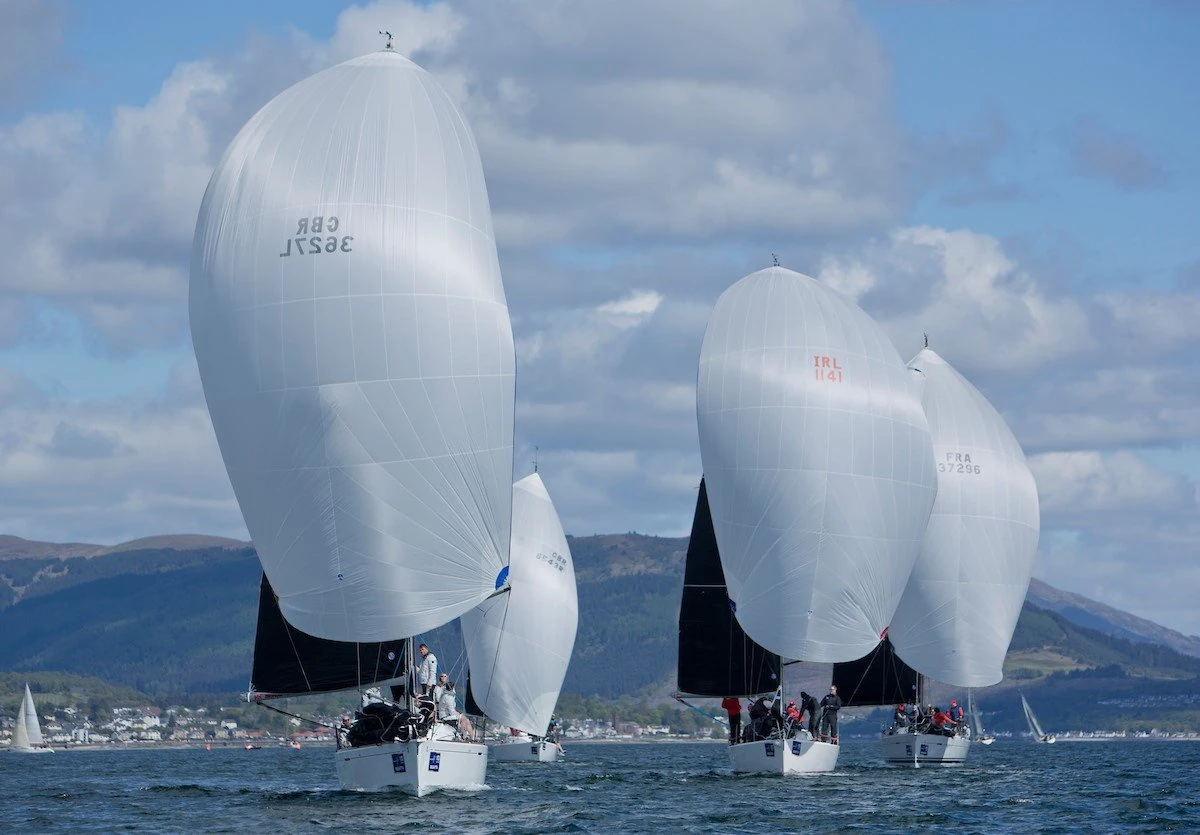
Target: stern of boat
x: 783, y: 756
x: 415, y: 768
x: 925, y: 749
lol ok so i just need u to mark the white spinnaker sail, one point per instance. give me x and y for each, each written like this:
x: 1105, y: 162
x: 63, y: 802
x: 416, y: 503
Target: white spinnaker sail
x: 957, y: 616
x: 29, y: 721
x: 519, y: 643
x: 356, y: 351
x: 818, y: 462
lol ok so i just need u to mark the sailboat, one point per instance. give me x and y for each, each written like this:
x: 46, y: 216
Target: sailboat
x: 356, y: 353
x: 819, y: 472
x: 1035, y: 727
x: 27, y: 734
x: 977, y: 731
x: 535, y: 653
x: 961, y: 604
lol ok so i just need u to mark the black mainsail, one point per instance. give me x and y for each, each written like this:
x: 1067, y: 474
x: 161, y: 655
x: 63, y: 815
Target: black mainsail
x: 878, y: 678
x: 288, y: 662
x: 716, y: 658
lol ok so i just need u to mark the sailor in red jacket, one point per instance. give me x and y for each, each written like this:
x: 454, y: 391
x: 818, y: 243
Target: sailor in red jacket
x: 733, y: 706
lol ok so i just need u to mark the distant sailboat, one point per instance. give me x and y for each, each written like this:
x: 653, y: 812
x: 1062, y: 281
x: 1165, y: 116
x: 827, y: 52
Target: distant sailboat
x: 977, y: 731
x: 528, y: 633
x: 961, y: 604
x: 27, y: 734
x: 1035, y: 727
x: 819, y: 468
x: 356, y: 352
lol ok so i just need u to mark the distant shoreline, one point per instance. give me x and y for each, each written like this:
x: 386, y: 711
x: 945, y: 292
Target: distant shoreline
x: 566, y: 743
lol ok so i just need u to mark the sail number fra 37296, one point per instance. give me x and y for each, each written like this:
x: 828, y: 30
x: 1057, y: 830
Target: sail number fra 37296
x: 311, y: 237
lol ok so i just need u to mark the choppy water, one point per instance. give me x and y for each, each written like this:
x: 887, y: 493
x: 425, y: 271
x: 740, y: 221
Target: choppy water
x: 1013, y: 786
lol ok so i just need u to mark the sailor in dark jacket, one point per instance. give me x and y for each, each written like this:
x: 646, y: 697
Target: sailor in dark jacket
x: 830, y: 705
x: 809, y: 705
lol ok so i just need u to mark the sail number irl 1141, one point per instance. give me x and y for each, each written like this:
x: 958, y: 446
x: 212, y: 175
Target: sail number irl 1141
x: 826, y: 369
x: 315, y: 235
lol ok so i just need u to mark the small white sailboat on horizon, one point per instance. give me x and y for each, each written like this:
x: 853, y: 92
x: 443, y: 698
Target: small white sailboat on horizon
x: 356, y: 352
x: 27, y: 733
x: 819, y: 472
x: 528, y: 634
x: 1035, y: 727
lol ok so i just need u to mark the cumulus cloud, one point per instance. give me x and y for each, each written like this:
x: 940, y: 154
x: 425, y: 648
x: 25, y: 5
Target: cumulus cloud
x: 111, y: 469
x: 640, y: 157
x: 1114, y: 526
x: 960, y: 287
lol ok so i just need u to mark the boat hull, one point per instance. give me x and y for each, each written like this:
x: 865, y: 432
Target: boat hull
x: 416, y: 768
x: 31, y: 750
x: 525, y: 751
x: 925, y: 749
x: 783, y: 756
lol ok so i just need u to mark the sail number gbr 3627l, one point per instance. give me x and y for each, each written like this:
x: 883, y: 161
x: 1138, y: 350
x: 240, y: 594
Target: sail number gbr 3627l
x: 314, y: 236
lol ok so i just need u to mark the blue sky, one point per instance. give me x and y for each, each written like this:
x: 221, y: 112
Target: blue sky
x: 1018, y: 179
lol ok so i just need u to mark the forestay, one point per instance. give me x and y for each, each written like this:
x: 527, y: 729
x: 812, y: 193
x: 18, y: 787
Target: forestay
x: 356, y: 352
x: 961, y: 605
x: 818, y: 462
x: 519, y: 643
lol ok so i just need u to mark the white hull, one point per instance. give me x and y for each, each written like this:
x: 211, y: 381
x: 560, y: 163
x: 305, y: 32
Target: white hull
x: 783, y: 756
x: 415, y: 768
x: 525, y: 751
x: 32, y: 750
x: 987, y: 740
x: 925, y: 749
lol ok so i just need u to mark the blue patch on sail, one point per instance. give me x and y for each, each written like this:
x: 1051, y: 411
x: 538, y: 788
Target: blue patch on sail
x: 733, y: 606
x: 502, y: 577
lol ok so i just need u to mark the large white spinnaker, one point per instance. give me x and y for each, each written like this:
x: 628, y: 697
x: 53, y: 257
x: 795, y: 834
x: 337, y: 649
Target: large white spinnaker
x: 961, y: 605
x: 818, y: 462
x: 356, y: 351
x: 519, y: 643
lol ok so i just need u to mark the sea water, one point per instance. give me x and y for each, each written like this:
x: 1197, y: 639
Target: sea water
x: 1012, y: 786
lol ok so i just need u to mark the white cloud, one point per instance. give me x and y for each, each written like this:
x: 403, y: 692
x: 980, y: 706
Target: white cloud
x: 1085, y: 482
x: 109, y: 470
x: 958, y: 286
x: 640, y: 157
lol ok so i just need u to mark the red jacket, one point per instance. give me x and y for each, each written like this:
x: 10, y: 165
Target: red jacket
x: 732, y: 706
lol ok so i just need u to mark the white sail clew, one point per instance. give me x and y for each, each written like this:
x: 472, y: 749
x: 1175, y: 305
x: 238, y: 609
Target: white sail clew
x: 356, y: 352
x: 818, y: 462
x: 961, y: 605
x: 519, y: 643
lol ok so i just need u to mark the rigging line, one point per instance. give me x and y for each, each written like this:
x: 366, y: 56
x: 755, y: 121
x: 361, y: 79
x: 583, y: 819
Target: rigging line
x: 707, y: 716
x: 297, y: 716
x: 287, y: 628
